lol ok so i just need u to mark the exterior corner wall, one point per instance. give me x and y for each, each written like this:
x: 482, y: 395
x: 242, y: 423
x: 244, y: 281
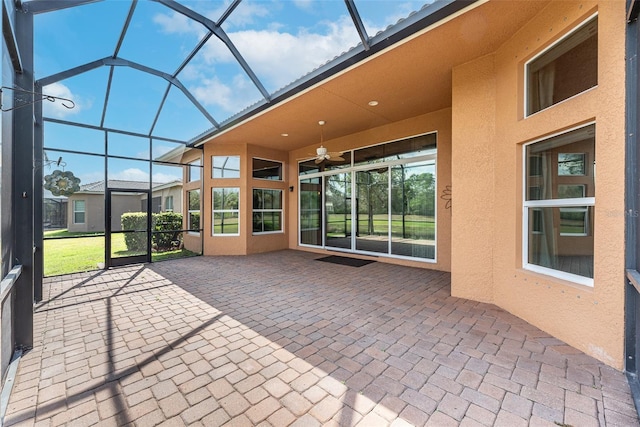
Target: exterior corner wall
x: 489, y: 131
x: 225, y: 245
x: 257, y: 243
x: 472, y: 176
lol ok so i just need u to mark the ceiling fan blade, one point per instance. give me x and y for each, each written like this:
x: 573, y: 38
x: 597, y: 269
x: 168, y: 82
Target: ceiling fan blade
x: 336, y: 158
x: 319, y: 160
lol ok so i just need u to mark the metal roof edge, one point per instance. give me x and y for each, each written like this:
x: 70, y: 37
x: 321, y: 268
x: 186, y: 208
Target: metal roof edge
x: 426, y: 17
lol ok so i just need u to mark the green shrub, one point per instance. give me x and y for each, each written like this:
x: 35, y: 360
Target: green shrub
x: 166, y: 227
x: 167, y: 234
x: 135, y: 221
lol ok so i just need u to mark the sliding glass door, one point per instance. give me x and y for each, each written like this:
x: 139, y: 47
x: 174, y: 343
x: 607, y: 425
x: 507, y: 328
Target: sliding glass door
x: 338, y: 210
x: 372, y: 205
x: 389, y: 191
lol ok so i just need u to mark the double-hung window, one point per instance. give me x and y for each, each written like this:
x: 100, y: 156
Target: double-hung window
x: 78, y: 212
x: 558, y: 207
x: 193, y: 218
x: 226, y: 211
x: 267, y: 211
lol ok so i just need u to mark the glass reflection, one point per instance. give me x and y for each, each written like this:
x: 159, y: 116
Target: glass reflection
x: 569, y: 250
x: 338, y: 211
x: 372, y: 206
x: 310, y: 211
x: 413, y: 210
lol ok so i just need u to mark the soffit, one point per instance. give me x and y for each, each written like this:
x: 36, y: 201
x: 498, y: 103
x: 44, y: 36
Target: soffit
x: 411, y: 79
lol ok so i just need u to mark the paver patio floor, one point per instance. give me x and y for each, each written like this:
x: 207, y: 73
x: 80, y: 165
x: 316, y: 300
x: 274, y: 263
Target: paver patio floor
x: 281, y: 339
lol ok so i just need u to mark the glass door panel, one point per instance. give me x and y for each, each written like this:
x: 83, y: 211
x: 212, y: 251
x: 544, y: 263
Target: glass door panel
x: 310, y: 211
x: 338, y: 211
x: 413, y: 208
x: 372, y: 205
x: 128, y: 226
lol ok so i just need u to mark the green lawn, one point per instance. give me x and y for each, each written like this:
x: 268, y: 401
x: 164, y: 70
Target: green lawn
x: 65, y: 256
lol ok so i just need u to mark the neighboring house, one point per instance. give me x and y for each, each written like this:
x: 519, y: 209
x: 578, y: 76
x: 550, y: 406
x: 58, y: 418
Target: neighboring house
x: 86, y: 207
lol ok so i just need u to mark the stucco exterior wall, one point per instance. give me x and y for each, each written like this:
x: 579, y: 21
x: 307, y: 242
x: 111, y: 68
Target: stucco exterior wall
x: 440, y: 122
x: 94, y: 213
x: 246, y: 242
x: 257, y: 243
x: 489, y: 130
x: 230, y: 244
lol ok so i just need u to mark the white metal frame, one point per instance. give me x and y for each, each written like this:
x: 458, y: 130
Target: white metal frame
x: 214, y: 211
x: 551, y: 203
x: 77, y: 211
x: 223, y: 169
x: 363, y: 167
x: 281, y: 210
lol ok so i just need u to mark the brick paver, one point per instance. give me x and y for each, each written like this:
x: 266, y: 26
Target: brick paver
x: 280, y: 339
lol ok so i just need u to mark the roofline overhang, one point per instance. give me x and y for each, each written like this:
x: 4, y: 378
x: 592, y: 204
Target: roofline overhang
x: 418, y: 23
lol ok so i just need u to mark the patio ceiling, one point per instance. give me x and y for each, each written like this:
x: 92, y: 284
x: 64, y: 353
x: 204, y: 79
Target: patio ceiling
x: 193, y: 70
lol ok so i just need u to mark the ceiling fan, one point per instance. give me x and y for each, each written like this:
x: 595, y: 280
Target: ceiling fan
x: 323, y: 154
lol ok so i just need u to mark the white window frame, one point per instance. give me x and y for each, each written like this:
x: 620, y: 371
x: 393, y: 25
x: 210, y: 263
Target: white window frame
x: 215, y: 211
x: 352, y: 169
x: 281, y: 211
x: 541, y: 53
x: 84, y: 211
x: 190, y: 211
x: 166, y: 207
x: 213, y: 168
x: 574, y: 203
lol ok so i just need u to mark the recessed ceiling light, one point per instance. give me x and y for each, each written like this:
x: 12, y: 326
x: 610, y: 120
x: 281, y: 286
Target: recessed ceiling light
x: 284, y: 134
x: 373, y: 103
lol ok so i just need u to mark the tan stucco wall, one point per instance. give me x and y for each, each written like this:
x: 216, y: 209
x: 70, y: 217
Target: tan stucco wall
x: 175, y: 192
x: 94, y: 213
x: 246, y: 242
x: 440, y: 122
x: 488, y: 133
x: 272, y: 241
x: 225, y: 245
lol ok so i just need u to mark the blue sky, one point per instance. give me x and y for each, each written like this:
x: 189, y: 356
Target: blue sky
x: 281, y: 40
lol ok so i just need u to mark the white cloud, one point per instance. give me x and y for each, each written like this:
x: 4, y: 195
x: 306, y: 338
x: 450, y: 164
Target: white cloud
x: 303, y: 4
x: 57, y: 109
x: 277, y: 57
x: 131, y: 174
x: 281, y: 58
x: 176, y: 23
x: 165, y: 177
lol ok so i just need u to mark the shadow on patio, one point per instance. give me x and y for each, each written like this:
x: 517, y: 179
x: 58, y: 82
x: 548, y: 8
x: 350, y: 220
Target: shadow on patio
x: 281, y: 339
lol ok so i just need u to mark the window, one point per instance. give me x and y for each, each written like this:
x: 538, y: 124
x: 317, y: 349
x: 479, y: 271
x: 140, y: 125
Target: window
x: 267, y: 210
x: 193, y: 216
x: 226, y: 166
x: 558, y: 214
x: 382, y: 203
x: 78, y: 212
x: 267, y: 169
x: 565, y: 69
x: 194, y: 171
x: 168, y: 203
x: 226, y: 211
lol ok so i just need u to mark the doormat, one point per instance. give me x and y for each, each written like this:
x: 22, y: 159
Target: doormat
x: 352, y: 262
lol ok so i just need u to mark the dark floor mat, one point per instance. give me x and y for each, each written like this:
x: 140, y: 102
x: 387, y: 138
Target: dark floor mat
x: 352, y: 262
